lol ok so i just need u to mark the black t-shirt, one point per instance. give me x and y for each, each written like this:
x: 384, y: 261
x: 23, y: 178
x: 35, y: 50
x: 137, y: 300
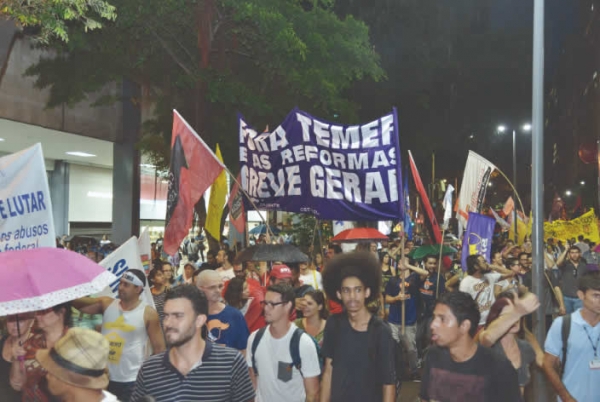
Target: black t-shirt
x: 486, y: 377
x: 354, y: 376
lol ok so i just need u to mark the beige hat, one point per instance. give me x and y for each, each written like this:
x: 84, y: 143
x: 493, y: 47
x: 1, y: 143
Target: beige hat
x: 79, y: 358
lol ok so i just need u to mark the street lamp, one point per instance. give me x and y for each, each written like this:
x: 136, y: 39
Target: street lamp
x: 501, y: 129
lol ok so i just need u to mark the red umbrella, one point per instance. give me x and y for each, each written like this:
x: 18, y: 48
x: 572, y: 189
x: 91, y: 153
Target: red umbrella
x: 358, y: 234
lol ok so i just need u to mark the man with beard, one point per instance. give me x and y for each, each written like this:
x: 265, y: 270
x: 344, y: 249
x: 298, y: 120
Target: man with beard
x: 270, y: 351
x: 192, y: 369
x: 571, y: 266
x: 128, y: 323
x: 457, y: 369
x: 480, y: 283
x: 429, y: 289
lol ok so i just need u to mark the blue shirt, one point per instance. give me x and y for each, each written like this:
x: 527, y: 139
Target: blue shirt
x: 228, y: 328
x: 582, y: 382
x: 411, y: 287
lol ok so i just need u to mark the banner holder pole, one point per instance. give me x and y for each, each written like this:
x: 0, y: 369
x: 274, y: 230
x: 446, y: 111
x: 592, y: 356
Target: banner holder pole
x: 314, y: 235
x: 402, y: 284
x: 437, y: 285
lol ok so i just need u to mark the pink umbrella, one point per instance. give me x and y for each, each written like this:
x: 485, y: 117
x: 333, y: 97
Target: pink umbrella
x: 37, y: 279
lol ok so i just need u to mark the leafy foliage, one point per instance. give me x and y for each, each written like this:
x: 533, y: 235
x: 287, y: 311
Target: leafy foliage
x: 53, y: 17
x: 212, y: 58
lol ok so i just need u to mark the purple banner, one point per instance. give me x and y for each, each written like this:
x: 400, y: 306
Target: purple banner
x: 478, y: 237
x: 325, y: 169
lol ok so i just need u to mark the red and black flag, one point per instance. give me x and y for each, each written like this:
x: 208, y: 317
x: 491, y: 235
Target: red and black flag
x: 194, y: 167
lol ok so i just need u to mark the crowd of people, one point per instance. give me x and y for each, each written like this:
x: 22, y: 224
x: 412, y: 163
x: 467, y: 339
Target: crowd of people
x: 340, y: 327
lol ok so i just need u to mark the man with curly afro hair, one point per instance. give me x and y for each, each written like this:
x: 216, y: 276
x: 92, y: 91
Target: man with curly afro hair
x: 360, y: 372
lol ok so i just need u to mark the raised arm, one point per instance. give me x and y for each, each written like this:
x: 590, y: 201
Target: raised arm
x: 561, y: 258
x: 511, y: 314
x: 506, y: 273
x: 92, y: 305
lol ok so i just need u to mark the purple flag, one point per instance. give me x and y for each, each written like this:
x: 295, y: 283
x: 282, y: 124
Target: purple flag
x: 478, y: 237
x: 342, y: 173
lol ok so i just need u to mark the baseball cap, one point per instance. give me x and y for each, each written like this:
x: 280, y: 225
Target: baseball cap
x: 281, y: 271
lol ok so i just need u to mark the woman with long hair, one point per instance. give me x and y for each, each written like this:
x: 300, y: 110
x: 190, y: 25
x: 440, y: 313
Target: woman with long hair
x: 315, y: 315
x: 169, y: 272
x: 318, y: 262
x: 506, y: 333
x: 387, y: 267
x: 18, y: 328
x: 237, y: 294
x: 156, y: 278
x: 26, y: 374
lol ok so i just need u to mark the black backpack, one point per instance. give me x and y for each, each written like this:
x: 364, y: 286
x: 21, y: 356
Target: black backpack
x: 374, y: 329
x: 294, y: 349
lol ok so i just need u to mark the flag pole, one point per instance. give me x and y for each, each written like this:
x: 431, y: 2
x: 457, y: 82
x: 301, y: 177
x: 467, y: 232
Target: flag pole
x: 402, y: 283
x: 437, y: 285
x: 249, y: 199
x: 513, y: 188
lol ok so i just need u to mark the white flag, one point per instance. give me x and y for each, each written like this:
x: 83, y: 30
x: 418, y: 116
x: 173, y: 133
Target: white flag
x: 448, y: 206
x: 473, y: 187
x: 26, y: 219
x: 125, y: 257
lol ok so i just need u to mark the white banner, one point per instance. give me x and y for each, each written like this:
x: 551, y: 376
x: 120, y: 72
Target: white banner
x: 25, y: 208
x: 474, y: 185
x: 145, y: 249
x: 125, y: 257
x: 448, y: 206
x: 340, y: 226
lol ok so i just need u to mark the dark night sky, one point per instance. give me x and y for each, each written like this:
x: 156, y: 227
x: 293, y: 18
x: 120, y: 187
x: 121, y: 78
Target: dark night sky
x: 507, y: 16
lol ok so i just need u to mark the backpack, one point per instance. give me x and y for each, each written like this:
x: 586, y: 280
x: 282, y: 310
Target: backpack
x: 374, y: 329
x: 565, y: 330
x: 294, y: 349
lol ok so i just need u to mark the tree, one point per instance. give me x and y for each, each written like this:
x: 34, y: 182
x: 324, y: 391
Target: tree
x: 52, y: 18
x: 212, y: 58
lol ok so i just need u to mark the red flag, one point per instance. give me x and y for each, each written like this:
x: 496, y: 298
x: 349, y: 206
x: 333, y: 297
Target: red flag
x: 425, y: 200
x: 194, y: 167
x: 236, y: 208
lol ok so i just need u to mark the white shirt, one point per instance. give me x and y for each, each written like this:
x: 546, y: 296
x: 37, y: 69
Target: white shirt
x: 482, y: 291
x: 310, y: 277
x: 269, y: 354
x: 226, y: 274
x: 108, y: 397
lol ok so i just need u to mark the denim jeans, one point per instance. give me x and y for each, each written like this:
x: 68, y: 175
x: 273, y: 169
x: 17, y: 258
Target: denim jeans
x: 572, y: 304
x: 410, y: 343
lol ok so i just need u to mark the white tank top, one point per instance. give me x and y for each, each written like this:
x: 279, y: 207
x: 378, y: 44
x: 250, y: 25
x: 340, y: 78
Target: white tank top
x: 127, y: 335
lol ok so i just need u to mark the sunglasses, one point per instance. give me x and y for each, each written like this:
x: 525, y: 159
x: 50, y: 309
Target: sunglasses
x: 270, y: 303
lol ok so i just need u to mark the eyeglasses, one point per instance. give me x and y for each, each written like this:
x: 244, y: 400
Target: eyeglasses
x: 270, y: 303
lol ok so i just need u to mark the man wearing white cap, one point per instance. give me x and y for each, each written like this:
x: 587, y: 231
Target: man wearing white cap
x: 77, y: 367
x: 128, y: 323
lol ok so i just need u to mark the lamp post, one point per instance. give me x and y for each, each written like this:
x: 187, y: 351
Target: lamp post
x: 502, y: 129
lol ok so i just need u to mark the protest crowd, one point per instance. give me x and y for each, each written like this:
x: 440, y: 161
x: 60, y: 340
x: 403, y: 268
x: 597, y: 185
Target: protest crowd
x: 355, y: 320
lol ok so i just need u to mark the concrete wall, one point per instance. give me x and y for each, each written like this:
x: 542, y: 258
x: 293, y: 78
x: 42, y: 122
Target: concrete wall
x: 21, y: 101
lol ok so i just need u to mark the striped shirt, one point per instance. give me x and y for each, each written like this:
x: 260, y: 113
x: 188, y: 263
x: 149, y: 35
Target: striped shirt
x: 221, y: 376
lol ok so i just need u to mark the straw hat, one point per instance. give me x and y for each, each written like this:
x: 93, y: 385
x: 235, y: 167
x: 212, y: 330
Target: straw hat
x: 79, y: 358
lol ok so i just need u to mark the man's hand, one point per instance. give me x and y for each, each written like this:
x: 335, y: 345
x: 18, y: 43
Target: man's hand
x: 527, y: 304
x: 300, y: 303
x: 402, y: 297
x: 562, y: 311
